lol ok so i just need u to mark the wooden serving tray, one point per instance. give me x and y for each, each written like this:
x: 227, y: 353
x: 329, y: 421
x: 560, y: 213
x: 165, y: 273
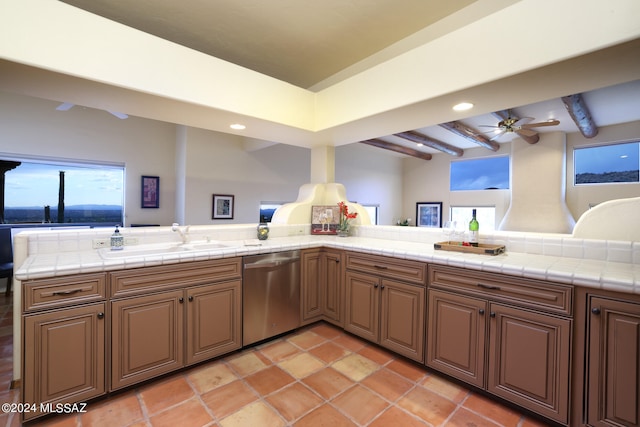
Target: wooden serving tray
x: 482, y: 248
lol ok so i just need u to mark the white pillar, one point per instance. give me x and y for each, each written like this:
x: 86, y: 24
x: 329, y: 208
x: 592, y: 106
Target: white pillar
x: 323, y: 165
x: 181, y: 173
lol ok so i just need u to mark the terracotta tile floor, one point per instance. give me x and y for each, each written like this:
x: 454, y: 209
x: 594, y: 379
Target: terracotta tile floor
x: 317, y: 376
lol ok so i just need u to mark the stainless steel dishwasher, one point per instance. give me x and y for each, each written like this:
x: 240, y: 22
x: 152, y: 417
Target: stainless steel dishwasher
x: 270, y: 295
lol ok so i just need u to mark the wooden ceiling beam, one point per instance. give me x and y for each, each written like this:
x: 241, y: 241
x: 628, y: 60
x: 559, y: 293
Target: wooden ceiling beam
x: 430, y: 142
x: 470, y: 134
x: 580, y: 114
x: 397, y: 148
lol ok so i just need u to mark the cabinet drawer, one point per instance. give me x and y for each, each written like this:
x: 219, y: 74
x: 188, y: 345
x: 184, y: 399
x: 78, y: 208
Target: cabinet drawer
x: 409, y: 271
x: 43, y: 294
x: 146, y: 279
x: 551, y: 297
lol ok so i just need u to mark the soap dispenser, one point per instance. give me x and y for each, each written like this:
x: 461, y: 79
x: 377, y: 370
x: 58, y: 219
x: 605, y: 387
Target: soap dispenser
x: 117, y: 241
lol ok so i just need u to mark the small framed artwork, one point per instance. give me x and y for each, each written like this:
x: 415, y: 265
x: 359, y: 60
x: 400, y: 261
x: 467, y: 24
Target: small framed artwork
x: 325, y: 219
x: 150, y: 192
x: 429, y: 214
x: 222, y: 206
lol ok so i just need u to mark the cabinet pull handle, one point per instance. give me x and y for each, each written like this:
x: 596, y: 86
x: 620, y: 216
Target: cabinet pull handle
x: 181, y: 300
x: 483, y: 286
x: 492, y: 314
x: 190, y: 298
x: 481, y: 311
x: 595, y: 310
x: 67, y: 292
x: 101, y: 315
x: 380, y: 267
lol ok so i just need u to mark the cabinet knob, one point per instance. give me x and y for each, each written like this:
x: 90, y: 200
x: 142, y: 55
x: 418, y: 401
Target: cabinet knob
x: 375, y: 286
x: 492, y: 314
x: 181, y: 300
x: 595, y: 310
x: 190, y: 298
x: 101, y: 315
x: 381, y: 286
x: 481, y: 311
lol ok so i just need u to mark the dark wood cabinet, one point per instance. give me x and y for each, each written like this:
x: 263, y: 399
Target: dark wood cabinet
x: 382, y: 309
x: 485, y: 330
x: 612, y: 382
x: 321, y: 291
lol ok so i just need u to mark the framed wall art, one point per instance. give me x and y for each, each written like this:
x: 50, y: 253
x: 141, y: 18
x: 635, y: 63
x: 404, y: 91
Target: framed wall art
x: 223, y: 205
x: 325, y: 219
x: 429, y: 214
x: 150, y: 197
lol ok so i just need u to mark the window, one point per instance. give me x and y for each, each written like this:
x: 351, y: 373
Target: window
x: 90, y: 193
x: 607, y: 164
x: 267, y: 209
x: 486, y: 216
x: 372, y: 210
x: 488, y: 173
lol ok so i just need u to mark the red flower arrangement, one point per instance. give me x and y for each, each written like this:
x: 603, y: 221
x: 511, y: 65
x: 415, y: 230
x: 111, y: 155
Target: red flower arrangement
x: 345, y: 216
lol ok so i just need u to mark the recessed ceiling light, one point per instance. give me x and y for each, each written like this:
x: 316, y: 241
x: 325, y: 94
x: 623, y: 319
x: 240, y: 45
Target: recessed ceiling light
x: 463, y: 106
x: 237, y: 126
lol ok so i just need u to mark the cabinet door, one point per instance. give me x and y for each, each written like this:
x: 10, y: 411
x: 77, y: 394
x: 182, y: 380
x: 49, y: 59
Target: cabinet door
x: 313, y: 280
x: 456, y: 330
x: 362, y: 305
x: 613, y: 367
x: 529, y: 360
x: 333, y: 290
x: 214, y: 316
x: 402, y: 318
x: 146, y: 337
x: 64, y: 356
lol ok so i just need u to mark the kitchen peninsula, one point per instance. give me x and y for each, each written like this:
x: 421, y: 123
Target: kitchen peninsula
x: 557, y: 283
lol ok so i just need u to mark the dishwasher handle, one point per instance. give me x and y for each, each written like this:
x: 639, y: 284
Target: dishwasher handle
x: 271, y: 264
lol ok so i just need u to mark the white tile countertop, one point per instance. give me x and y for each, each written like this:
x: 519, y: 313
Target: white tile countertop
x: 599, y: 264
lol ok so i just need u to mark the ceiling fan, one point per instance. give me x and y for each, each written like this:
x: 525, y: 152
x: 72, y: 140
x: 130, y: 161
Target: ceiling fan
x: 521, y: 126
x: 66, y: 106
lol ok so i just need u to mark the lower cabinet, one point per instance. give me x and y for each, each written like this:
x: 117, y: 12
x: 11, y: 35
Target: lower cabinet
x: 321, y: 289
x: 155, y: 334
x: 387, y: 312
x: 482, y: 336
x: 612, y: 381
x: 64, y: 357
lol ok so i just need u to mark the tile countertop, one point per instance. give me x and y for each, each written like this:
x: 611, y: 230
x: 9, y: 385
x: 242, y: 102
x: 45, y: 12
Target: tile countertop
x: 593, y: 273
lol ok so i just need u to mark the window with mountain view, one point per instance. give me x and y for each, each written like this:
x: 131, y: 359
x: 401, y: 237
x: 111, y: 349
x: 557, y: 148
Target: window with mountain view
x: 607, y: 164
x: 59, y: 192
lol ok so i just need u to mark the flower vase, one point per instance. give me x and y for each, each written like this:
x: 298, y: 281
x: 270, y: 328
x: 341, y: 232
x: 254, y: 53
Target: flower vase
x: 343, y: 231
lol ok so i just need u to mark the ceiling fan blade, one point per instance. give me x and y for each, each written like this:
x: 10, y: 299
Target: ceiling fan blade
x: 526, y: 132
x: 121, y: 116
x: 547, y: 123
x: 522, y: 121
x: 65, y: 106
x: 497, y: 135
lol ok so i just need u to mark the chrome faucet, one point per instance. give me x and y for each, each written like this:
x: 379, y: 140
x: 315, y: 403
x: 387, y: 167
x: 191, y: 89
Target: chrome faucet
x: 184, y: 232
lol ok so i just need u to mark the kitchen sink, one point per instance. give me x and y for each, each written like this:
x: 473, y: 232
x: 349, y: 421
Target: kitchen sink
x: 161, y: 249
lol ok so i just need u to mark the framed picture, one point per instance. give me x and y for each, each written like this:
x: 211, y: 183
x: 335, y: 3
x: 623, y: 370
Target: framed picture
x: 429, y: 214
x: 222, y: 206
x: 150, y: 192
x: 325, y: 219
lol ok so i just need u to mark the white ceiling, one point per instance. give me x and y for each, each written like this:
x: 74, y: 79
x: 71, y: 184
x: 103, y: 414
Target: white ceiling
x: 315, y: 44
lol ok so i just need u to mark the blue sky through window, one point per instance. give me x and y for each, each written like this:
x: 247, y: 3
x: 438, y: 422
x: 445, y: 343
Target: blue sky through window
x: 480, y: 174
x: 608, y: 158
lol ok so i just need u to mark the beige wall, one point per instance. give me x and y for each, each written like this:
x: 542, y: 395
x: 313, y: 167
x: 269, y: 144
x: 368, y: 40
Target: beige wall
x: 219, y: 163
x: 580, y: 197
